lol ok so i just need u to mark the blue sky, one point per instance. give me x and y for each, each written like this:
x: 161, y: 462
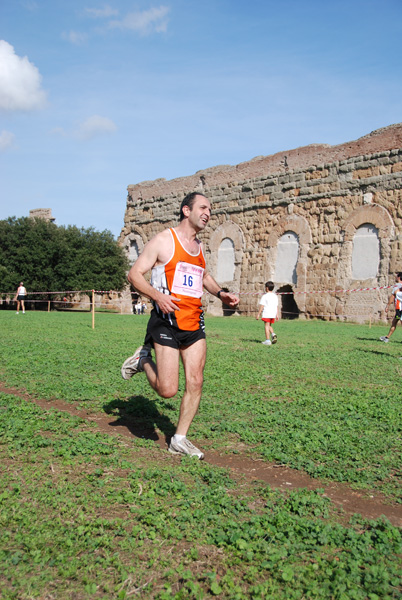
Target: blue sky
x: 98, y: 95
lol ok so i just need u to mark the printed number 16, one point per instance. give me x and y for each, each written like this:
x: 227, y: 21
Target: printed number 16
x: 188, y: 280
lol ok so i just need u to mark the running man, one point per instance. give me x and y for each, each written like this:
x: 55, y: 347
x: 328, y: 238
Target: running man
x: 396, y: 299
x: 176, y: 325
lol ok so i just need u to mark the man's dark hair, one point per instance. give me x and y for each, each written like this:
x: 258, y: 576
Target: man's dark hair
x: 399, y: 275
x: 270, y: 285
x: 189, y: 201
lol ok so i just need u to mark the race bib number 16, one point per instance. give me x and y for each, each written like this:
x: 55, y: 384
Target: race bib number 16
x: 187, y: 280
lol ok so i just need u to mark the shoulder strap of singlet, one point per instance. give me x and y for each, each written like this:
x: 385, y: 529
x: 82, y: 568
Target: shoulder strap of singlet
x: 176, y: 238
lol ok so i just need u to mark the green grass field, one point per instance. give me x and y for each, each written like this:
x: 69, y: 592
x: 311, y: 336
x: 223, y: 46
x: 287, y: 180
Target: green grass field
x: 87, y: 515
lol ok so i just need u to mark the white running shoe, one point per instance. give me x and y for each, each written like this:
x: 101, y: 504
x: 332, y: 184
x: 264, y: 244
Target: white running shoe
x: 132, y: 365
x: 184, y: 447
x: 384, y: 338
x: 267, y: 343
x: 274, y: 338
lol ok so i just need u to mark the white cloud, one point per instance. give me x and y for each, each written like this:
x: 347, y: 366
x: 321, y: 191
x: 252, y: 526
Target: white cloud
x: 94, y: 126
x: 58, y: 131
x: 20, y: 81
x: 6, y: 140
x: 147, y: 21
x: 102, y: 13
x: 75, y: 37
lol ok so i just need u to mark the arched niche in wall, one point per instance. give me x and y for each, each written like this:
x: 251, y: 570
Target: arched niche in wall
x: 298, y: 230
x: 366, y: 227
x: 287, y: 257
x: 134, y: 243
x: 226, y: 250
x: 226, y: 261
x: 365, y: 252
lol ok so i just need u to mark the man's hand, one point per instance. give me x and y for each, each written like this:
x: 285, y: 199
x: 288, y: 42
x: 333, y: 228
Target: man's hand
x: 229, y: 299
x: 213, y: 288
x: 167, y: 303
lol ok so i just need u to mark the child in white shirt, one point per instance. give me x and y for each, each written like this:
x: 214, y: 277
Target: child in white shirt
x: 269, y: 310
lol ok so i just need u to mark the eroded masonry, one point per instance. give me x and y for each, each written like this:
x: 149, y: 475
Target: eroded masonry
x: 319, y: 221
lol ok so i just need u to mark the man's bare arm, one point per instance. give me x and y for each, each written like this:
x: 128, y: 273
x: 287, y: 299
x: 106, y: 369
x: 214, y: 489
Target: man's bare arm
x: 391, y: 300
x: 213, y: 288
x: 156, y: 251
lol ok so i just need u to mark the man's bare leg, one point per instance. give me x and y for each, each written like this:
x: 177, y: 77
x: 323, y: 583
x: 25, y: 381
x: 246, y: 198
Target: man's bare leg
x: 193, y: 358
x: 393, y: 327
x: 163, y: 376
x: 391, y: 331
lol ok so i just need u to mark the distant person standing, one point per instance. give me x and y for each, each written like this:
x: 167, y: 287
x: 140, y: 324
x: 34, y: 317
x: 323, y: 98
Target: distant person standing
x: 396, y: 299
x: 20, y: 298
x: 269, y: 310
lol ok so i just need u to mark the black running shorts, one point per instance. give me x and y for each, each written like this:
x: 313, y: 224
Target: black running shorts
x: 160, y: 331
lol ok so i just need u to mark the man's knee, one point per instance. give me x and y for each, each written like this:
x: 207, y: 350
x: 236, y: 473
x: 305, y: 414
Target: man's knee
x: 195, y: 382
x: 167, y: 390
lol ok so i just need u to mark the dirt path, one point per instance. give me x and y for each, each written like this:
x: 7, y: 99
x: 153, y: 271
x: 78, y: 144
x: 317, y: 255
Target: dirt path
x: 369, y: 505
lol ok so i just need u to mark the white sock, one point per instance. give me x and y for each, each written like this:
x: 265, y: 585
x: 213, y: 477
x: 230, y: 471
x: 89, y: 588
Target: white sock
x: 178, y: 438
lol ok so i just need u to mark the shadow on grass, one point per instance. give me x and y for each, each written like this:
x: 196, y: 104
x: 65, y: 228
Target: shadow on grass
x: 377, y: 339
x: 141, y: 417
x: 378, y: 352
x: 368, y: 338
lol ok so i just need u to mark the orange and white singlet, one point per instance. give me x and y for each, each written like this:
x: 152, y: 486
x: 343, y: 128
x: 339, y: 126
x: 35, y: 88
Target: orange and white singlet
x: 182, y: 277
x: 397, y: 292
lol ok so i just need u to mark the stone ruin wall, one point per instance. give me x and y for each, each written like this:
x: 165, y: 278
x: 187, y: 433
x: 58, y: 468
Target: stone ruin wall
x: 321, y: 193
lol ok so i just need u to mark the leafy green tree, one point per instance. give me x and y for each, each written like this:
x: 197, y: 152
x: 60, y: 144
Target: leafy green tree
x: 47, y: 257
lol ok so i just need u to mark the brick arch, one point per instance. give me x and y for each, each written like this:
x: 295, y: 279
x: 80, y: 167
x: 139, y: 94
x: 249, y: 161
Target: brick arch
x: 373, y: 214
x: 294, y: 223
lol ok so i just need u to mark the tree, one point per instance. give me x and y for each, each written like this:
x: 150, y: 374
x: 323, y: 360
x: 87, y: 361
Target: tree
x: 52, y: 258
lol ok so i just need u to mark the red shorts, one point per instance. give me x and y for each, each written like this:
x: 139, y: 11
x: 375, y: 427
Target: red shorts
x: 270, y: 321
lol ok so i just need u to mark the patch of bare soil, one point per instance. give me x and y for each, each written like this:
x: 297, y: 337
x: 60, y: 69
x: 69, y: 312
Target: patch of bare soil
x: 370, y: 505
